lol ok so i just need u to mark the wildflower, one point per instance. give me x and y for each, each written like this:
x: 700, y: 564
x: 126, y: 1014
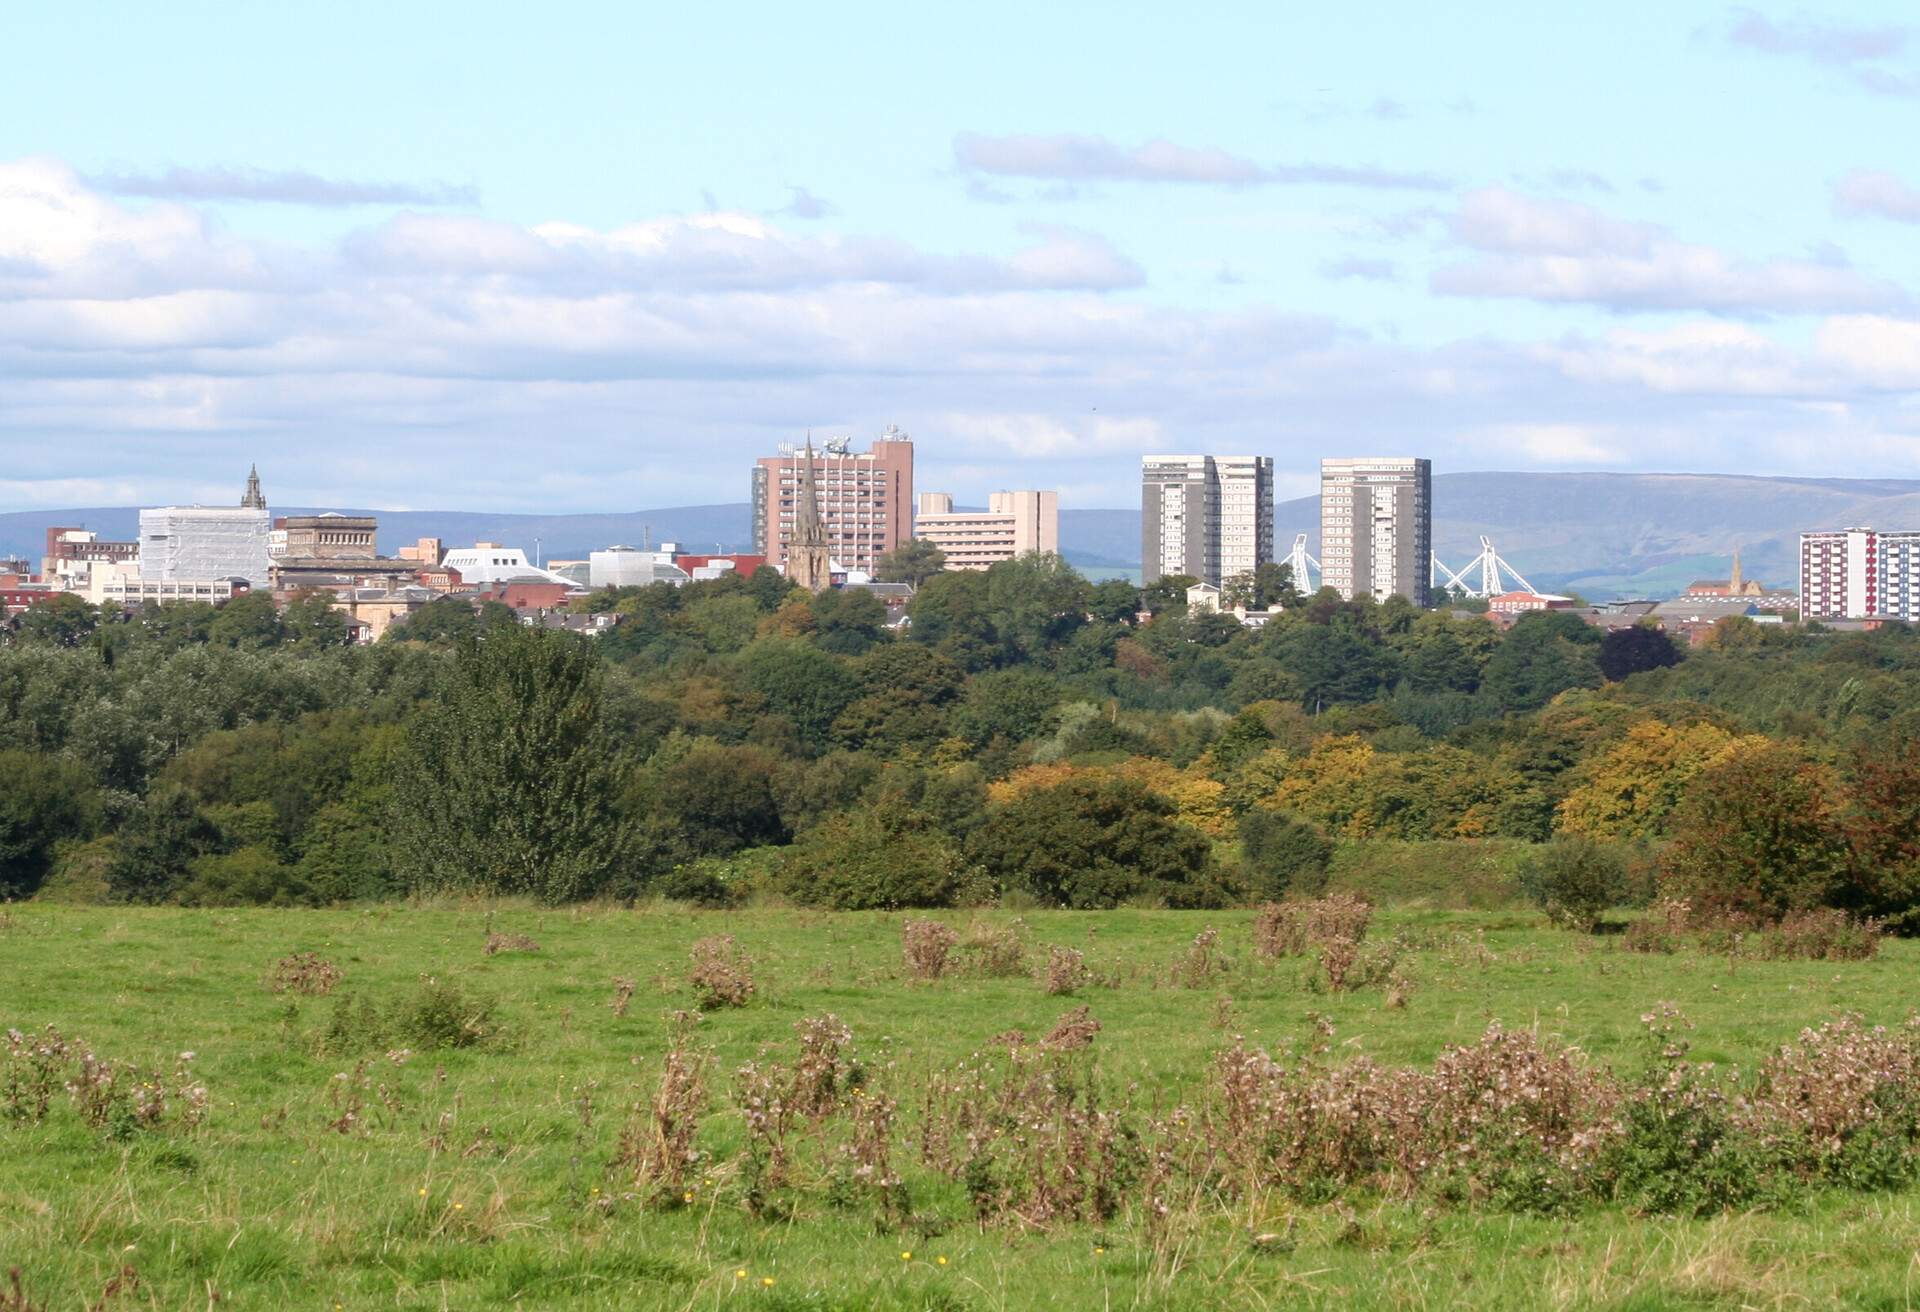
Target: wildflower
x: 459, y: 1207
x: 906, y: 1256
x: 766, y: 1280
x: 687, y: 1197
x: 1097, y: 1249
x: 741, y: 1274
x: 423, y: 1193
x: 940, y: 1261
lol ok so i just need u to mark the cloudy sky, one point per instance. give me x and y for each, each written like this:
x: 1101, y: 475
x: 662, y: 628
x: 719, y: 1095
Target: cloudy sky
x: 599, y: 256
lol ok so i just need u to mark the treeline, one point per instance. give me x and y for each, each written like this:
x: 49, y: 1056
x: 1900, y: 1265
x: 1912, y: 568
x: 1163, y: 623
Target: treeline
x: 1026, y: 732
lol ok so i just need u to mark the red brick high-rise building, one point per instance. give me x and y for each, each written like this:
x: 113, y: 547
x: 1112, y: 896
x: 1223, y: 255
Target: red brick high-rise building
x: 865, y: 499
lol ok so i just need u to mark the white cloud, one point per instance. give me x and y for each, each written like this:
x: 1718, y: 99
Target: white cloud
x: 1562, y: 251
x: 453, y: 360
x: 1871, y: 191
x: 1070, y: 157
x: 280, y: 186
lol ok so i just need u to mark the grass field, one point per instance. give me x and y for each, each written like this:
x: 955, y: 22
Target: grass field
x: 479, y: 1176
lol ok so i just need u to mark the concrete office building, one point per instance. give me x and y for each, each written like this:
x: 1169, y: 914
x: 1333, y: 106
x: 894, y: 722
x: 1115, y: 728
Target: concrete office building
x: 1376, y: 527
x: 1207, y: 516
x: 1013, y: 524
x: 865, y: 500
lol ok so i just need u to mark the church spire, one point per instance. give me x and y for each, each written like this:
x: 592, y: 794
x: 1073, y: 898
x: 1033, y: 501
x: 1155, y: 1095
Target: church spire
x: 808, y: 562
x: 253, y: 498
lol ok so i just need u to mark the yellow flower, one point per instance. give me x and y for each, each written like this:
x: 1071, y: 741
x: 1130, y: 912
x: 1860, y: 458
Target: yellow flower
x: 941, y: 1260
x: 459, y: 1207
x: 766, y: 1280
x: 687, y: 1197
x: 1099, y: 1250
x: 906, y: 1257
x: 423, y: 1193
x: 741, y: 1274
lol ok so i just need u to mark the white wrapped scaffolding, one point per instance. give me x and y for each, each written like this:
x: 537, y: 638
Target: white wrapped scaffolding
x: 204, y: 542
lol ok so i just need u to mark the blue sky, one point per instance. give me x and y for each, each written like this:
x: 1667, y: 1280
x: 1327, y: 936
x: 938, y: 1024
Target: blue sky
x: 594, y: 257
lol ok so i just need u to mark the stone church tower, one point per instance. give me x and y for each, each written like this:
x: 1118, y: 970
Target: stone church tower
x: 809, y: 563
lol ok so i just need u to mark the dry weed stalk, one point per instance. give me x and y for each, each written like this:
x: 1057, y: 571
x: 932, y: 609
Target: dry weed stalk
x: 722, y: 974
x: 1066, y: 972
x: 657, y: 1146
x: 925, y: 946
x: 304, y: 972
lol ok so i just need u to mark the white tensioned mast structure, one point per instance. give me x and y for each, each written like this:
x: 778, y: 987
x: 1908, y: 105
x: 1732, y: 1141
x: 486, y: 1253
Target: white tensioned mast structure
x: 1297, y: 561
x: 1495, y: 575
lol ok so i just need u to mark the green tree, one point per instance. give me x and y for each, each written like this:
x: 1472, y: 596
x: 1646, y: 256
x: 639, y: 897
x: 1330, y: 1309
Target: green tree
x: 1035, y: 602
x: 311, y: 623
x: 914, y: 561
x: 43, y: 800
x: 1283, y: 853
x: 157, y: 847
x: 801, y: 682
x: 1012, y: 704
x: 1634, y: 649
x: 509, y: 780
x: 248, y: 622
x: 62, y: 620
x: 1543, y: 655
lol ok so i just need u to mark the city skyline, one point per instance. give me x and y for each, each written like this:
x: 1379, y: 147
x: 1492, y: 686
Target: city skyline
x: 540, y: 271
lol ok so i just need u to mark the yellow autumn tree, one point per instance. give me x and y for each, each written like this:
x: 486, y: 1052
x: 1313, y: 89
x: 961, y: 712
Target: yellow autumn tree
x: 1630, y: 790
x: 1332, y: 786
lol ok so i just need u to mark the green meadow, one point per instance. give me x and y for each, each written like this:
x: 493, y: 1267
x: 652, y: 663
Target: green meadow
x: 343, y: 1166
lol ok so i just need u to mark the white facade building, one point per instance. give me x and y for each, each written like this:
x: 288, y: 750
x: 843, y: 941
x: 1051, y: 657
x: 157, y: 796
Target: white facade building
x: 1859, y: 573
x: 629, y: 567
x: 489, y: 562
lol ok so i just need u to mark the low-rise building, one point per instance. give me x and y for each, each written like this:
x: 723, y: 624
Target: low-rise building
x: 1013, y: 524
x: 1518, y: 603
x: 72, y: 554
x: 490, y: 562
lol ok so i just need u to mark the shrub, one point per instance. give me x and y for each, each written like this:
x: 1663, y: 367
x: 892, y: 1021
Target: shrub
x: 995, y: 951
x: 722, y: 975
x: 1574, y: 880
x: 1663, y: 929
x: 873, y: 860
x: 1286, y: 929
x: 435, y: 1015
x: 925, y: 946
x: 1756, y: 834
x: 1096, y: 843
x: 657, y: 1146
x: 1283, y: 853
x: 1073, y: 1031
x: 1823, y: 934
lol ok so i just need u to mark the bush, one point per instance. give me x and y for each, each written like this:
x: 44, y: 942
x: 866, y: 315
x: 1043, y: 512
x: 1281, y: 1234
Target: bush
x: 873, y: 860
x: 1756, y: 835
x: 435, y: 1015
x: 1826, y: 934
x: 1283, y: 853
x: 1095, y: 843
x: 1574, y: 880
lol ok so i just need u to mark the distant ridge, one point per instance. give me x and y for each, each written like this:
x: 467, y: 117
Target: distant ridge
x: 1600, y: 534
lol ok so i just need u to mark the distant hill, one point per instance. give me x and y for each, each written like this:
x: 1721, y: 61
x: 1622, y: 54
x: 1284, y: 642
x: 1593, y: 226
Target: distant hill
x: 1600, y: 534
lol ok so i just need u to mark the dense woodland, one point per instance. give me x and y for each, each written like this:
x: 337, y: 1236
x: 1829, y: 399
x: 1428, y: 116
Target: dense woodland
x: 1025, y: 736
